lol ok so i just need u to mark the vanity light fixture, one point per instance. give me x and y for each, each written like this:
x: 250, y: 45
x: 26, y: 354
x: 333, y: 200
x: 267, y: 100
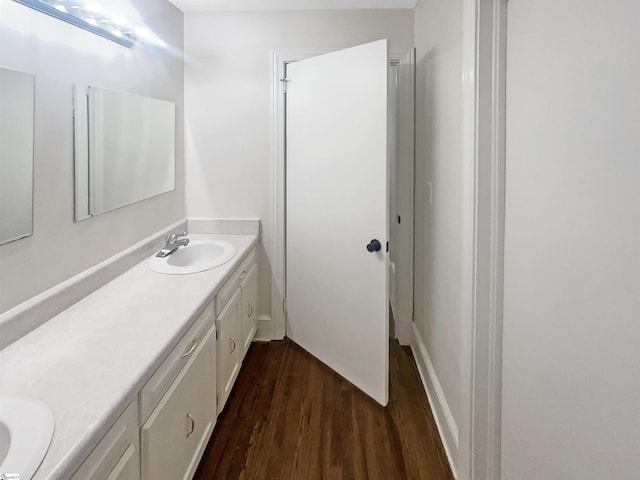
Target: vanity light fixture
x: 87, y: 14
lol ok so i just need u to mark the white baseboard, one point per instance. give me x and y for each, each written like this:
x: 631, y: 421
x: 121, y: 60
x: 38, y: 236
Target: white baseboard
x: 441, y: 412
x: 266, y: 329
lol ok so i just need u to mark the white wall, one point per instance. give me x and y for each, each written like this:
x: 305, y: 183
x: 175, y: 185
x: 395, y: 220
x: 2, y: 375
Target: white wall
x: 438, y: 226
x: 228, y: 102
x: 60, y: 54
x: 571, y: 368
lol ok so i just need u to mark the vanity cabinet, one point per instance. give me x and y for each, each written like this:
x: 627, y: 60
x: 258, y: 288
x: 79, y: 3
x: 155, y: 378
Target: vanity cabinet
x: 164, y: 431
x: 176, y: 434
x: 117, y: 456
x: 177, y: 430
x: 236, y: 323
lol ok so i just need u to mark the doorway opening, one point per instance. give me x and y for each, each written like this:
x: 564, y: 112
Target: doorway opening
x: 403, y: 61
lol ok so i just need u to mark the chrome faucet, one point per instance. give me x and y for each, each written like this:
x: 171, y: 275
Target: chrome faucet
x: 173, y: 241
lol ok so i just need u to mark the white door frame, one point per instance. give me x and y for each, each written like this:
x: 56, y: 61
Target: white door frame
x: 405, y: 59
x: 484, y: 79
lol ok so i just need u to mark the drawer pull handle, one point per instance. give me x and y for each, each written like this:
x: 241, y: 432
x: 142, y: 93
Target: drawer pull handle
x: 243, y: 274
x: 233, y: 345
x: 193, y: 347
x: 250, y: 310
x: 192, y: 425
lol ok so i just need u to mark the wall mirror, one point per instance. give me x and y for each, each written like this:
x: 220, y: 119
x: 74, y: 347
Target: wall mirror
x: 124, y: 149
x: 16, y: 154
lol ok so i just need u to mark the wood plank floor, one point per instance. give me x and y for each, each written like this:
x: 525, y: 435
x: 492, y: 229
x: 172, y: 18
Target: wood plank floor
x: 291, y: 417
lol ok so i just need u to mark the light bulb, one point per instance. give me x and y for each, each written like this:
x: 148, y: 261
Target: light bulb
x: 90, y: 15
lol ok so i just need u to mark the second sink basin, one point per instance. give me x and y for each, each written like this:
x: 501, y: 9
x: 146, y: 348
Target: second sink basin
x: 26, y: 428
x: 198, y: 256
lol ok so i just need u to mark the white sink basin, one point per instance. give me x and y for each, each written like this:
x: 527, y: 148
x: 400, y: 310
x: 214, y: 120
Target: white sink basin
x: 198, y: 256
x: 26, y: 428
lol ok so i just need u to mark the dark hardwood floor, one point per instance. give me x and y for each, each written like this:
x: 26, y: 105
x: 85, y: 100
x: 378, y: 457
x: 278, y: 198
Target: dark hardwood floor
x: 291, y: 417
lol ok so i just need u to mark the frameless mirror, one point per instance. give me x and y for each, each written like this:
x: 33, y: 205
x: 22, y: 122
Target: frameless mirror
x: 16, y: 154
x: 124, y: 149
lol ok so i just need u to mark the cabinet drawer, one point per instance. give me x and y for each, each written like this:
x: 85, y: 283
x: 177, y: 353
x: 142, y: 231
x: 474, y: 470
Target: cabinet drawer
x: 176, y: 434
x: 159, y: 383
x: 229, y: 288
x: 117, y: 456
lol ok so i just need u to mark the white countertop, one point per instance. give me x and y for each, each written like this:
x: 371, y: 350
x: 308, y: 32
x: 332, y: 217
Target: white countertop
x: 90, y: 361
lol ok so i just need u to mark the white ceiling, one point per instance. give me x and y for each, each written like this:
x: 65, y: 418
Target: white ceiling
x: 257, y: 5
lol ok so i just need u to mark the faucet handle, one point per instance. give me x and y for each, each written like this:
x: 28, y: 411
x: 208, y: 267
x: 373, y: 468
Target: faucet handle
x: 174, y: 237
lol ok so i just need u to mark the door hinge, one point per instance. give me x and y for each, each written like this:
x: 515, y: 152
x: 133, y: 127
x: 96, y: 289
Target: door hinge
x: 284, y: 84
x: 284, y: 305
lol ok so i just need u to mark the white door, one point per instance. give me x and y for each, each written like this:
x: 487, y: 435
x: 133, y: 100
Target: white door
x: 336, y: 178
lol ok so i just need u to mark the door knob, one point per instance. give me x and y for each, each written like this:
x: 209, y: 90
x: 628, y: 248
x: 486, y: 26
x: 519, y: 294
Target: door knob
x: 374, y: 246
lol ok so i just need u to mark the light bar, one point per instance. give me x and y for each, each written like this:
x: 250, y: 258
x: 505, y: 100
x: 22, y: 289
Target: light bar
x: 89, y: 15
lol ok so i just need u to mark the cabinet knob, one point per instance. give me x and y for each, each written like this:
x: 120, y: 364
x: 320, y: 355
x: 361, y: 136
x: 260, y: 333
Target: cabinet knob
x: 250, y: 310
x: 233, y: 344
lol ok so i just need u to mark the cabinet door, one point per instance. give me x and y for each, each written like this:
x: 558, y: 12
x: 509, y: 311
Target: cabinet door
x: 229, y: 346
x: 174, y: 437
x: 249, y: 311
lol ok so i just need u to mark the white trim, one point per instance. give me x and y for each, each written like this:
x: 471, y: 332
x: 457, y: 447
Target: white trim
x: 404, y: 58
x: 484, y: 46
x: 280, y: 58
x: 264, y: 331
x: 437, y: 399
x: 491, y: 416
